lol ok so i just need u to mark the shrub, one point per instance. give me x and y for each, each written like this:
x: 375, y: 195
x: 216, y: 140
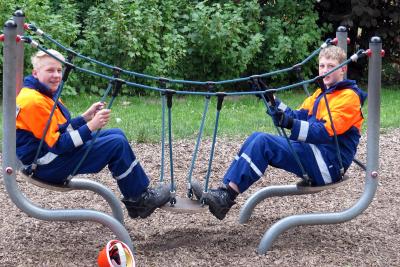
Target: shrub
x: 222, y: 39
x: 137, y: 35
x: 57, y: 19
x: 291, y: 33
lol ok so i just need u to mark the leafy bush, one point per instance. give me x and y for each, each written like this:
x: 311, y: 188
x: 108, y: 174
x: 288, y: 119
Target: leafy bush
x: 137, y: 35
x: 57, y: 19
x: 182, y: 39
x: 365, y: 19
x: 222, y: 39
x: 390, y: 72
x: 171, y: 38
x: 291, y: 33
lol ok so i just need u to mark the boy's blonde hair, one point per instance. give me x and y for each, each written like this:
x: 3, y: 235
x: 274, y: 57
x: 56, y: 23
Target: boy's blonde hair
x: 333, y: 52
x: 37, y: 58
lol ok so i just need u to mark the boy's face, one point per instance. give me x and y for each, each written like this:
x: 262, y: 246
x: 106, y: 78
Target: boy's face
x: 327, y: 64
x: 49, y: 72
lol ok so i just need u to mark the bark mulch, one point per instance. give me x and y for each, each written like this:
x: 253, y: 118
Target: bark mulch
x: 183, y: 239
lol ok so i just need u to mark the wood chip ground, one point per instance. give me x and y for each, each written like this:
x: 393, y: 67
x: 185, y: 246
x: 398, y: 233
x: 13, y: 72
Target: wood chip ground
x: 198, y: 239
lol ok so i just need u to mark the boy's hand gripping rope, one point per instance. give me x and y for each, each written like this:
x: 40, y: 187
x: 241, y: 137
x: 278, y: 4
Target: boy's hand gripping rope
x: 117, y: 84
x: 268, y: 96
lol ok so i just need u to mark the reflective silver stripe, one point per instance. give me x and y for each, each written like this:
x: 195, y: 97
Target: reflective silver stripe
x: 128, y: 171
x: 76, y: 138
x: 236, y: 157
x: 303, y: 132
x: 252, y: 165
x: 70, y: 128
x: 46, y: 159
x: 282, y: 106
x: 321, y: 164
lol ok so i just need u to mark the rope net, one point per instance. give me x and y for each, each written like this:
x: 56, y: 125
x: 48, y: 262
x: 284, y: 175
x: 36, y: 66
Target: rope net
x: 257, y: 85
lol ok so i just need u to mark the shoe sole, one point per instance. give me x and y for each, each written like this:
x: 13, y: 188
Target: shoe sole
x: 133, y: 215
x: 147, y: 213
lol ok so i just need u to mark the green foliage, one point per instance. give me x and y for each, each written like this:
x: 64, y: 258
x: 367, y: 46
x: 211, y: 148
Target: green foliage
x: 390, y: 72
x: 57, y: 19
x: 365, y: 19
x: 172, y: 38
x: 291, y: 33
x: 186, y: 39
x: 136, y: 35
x: 222, y: 39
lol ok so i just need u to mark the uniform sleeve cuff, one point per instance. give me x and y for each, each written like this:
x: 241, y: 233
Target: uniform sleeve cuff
x: 78, y: 122
x: 300, y: 130
x: 85, y: 133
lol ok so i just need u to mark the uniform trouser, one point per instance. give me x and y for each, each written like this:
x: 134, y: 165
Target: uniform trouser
x: 261, y: 150
x: 110, y: 148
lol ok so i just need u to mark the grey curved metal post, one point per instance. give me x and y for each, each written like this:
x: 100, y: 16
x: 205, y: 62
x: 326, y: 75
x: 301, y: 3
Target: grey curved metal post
x: 102, y: 190
x: 19, y: 18
x: 267, y: 192
x: 341, y: 35
x: 374, y: 87
x: 9, y: 152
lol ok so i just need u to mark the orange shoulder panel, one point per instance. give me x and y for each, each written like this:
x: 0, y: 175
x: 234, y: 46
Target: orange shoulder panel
x: 345, y: 109
x: 309, y: 101
x: 34, y: 113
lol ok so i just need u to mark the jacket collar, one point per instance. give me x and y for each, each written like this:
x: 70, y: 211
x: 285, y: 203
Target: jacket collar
x: 348, y: 84
x: 345, y: 84
x: 34, y: 83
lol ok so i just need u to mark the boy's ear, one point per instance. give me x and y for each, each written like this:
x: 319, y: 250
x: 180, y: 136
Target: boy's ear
x: 34, y: 73
x: 344, y: 68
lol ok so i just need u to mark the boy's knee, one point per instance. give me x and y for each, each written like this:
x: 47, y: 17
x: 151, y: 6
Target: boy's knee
x: 119, y: 142
x: 117, y: 131
x: 255, y: 134
x: 262, y: 137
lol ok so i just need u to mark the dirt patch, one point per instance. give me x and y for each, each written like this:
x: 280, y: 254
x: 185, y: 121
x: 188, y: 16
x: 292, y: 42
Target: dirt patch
x: 176, y: 239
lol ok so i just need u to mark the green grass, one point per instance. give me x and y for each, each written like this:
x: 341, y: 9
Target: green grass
x: 390, y: 102
x: 140, y: 117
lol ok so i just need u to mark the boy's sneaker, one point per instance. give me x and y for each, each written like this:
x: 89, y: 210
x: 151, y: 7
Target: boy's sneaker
x: 219, y: 202
x: 148, y: 201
